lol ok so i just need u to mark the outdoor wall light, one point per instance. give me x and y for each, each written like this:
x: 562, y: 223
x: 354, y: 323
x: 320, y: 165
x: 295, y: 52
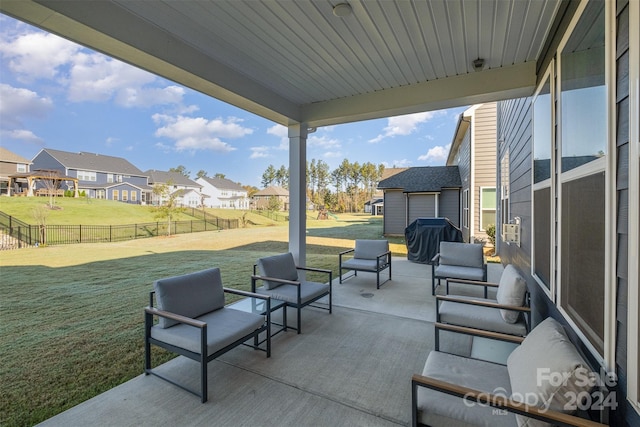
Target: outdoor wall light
x: 342, y: 10
x: 478, y: 64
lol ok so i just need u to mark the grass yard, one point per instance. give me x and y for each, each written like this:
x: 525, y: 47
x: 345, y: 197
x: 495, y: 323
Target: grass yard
x: 72, y: 316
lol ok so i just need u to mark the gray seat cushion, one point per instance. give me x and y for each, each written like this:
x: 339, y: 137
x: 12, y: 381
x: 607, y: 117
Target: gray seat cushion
x: 281, y: 266
x: 486, y: 318
x: 224, y: 326
x: 189, y: 295
x: 370, y: 249
x: 547, y: 347
x: 440, y: 409
x: 511, y: 291
x: 362, y: 264
x: 459, y: 272
x: 289, y: 293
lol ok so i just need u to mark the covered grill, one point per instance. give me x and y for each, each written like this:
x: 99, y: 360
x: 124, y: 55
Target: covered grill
x: 423, y: 237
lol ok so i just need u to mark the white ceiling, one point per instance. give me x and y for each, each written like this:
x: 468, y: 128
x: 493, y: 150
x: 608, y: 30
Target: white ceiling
x: 295, y: 61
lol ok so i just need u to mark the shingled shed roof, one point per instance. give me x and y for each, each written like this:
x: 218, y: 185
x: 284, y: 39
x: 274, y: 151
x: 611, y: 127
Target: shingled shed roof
x: 423, y: 179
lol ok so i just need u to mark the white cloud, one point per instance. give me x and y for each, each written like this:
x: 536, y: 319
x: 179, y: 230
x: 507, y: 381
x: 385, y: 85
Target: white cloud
x: 22, y: 135
x: 198, y: 133
x: 147, y: 97
x: 323, y: 142
x: 37, y: 55
x: 332, y: 154
x: 16, y: 103
x: 94, y: 77
x: 405, y: 125
x: 259, y: 152
x: 397, y: 163
x: 436, y: 154
x: 85, y: 75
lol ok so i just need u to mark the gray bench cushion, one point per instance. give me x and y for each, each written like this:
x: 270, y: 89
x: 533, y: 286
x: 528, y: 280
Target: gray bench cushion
x: 511, y: 291
x: 289, y: 293
x: 190, y: 295
x: 370, y: 249
x: 281, y: 266
x: 547, y: 347
x: 224, y: 326
x: 486, y: 318
x: 461, y: 254
x: 460, y: 272
x: 440, y: 409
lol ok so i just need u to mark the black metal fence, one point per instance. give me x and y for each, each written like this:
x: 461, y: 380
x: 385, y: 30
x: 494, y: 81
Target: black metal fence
x: 16, y: 234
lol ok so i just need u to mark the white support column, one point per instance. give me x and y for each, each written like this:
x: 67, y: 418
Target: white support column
x: 298, y: 192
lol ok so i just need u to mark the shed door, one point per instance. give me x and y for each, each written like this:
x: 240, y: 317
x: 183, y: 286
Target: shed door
x: 421, y: 206
x: 395, y: 213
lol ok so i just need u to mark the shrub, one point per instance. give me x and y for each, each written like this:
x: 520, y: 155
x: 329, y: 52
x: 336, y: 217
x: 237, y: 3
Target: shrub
x: 491, y: 233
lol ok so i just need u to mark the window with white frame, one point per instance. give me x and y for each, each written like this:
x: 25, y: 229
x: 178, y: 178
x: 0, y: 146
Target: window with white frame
x: 570, y: 145
x: 21, y: 167
x: 86, y: 176
x: 115, y: 195
x: 487, y: 207
x: 465, y: 208
x: 109, y: 177
x: 505, y: 208
x: 543, y: 194
x: 125, y: 195
x: 633, y: 319
x: 581, y: 189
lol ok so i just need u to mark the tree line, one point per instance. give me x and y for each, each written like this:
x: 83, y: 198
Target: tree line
x: 344, y: 189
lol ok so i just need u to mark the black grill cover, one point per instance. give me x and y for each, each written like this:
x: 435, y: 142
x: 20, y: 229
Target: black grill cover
x: 423, y: 237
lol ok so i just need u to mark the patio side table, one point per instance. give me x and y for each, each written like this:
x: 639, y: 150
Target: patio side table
x: 259, y: 306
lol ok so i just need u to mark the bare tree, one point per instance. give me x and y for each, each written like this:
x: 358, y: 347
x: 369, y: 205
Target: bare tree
x: 168, y: 206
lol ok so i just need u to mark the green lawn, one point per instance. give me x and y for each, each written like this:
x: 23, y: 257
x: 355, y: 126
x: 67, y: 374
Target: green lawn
x: 72, y: 316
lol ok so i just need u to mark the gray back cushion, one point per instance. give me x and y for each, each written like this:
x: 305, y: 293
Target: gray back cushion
x: 190, y: 295
x: 511, y: 291
x: 462, y: 254
x: 370, y: 249
x: 278, y: 266
x: 537, y: 364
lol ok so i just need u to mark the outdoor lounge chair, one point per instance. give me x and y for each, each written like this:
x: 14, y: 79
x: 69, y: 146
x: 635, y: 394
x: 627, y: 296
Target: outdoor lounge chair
x: 508, y: 313
x: 372, y: 256
x: 279, y: 275
x: 458, y: 391
x: 194, y: 322
x: 459, y: 261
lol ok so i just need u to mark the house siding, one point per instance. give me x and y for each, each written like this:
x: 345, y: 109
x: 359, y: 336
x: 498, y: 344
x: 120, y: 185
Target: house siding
x: 449, y: 206
x: 464, y: 165
x: 514, y: 129
x: 421, y: 206
x: 395, y: 212
x: 484, y: 119
x: 627, y: 413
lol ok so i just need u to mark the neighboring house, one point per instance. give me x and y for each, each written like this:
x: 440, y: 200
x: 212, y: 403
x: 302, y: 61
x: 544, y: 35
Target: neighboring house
x: 99, y: 176
x: 421, y: 192
x: 375, y: 206
x: 12, y: 164
x: 261, y: 198
x: 186, y: 191
x: 223, y: 193
x: 473, y: 150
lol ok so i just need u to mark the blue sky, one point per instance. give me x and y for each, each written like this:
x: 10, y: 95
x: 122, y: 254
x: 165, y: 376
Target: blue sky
x: 56, y: 94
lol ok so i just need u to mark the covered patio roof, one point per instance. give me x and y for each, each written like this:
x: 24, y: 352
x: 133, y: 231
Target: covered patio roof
x: 298, y: 62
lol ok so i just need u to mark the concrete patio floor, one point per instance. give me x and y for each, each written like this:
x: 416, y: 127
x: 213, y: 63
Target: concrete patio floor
x: 350, y: 368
